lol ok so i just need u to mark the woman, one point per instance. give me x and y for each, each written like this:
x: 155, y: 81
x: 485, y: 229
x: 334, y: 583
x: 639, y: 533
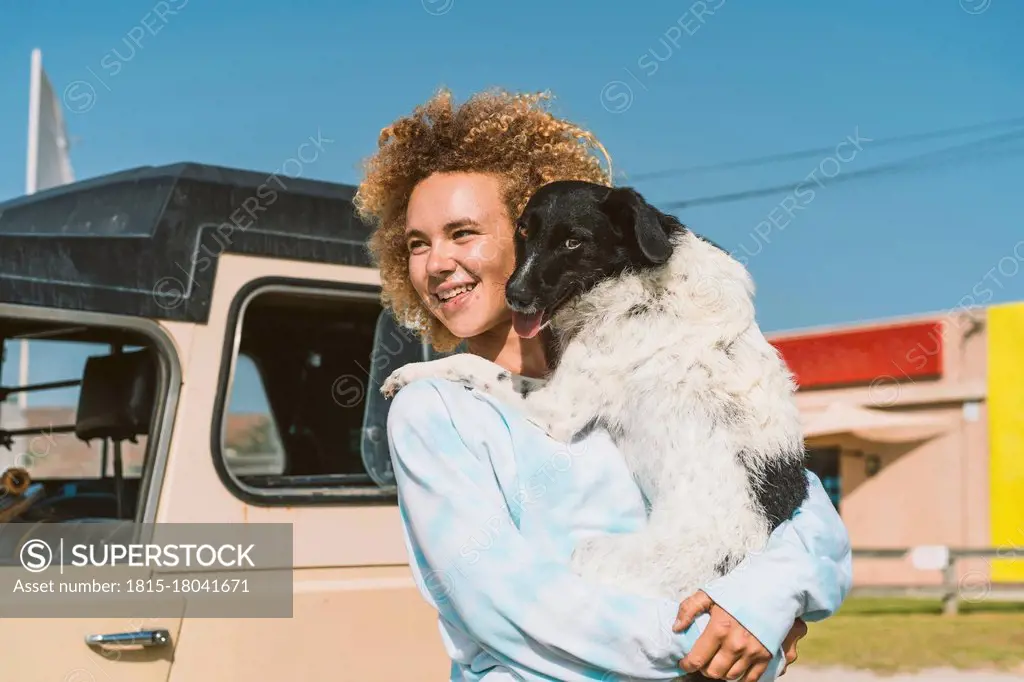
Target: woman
x: 491, y: 506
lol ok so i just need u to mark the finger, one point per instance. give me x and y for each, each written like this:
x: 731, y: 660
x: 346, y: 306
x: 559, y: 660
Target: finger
x: 789, y: 650
x: 756, y: 670
x: 789, y: 644
x: 724, y: 660
x: 704, y: 649
x: 738, y: 668
x: 794, y: 634
x: 799, y: 629
x: 691, y: 607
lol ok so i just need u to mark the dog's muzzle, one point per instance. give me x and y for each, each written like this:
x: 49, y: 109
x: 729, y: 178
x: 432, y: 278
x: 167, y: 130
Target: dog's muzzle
x: 520, y: 301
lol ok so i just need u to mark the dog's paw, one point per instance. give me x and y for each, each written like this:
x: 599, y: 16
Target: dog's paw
x: 590, y: 554
x: 610, y: 560
x: 405, y: 375
x: 558, y: 426
x: 579, y: 562
x: 395, y: 381
x: 610, y: 553
x: 562, y: 431
x: 455, y: 368
x: 591, y: 562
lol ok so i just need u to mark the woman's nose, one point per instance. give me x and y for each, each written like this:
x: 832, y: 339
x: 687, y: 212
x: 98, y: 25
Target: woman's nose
x: 440, y: 262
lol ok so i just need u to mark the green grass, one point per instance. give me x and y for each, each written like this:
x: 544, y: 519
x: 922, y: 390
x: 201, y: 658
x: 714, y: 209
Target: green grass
x: 905, y: 635
x: 865, y: 606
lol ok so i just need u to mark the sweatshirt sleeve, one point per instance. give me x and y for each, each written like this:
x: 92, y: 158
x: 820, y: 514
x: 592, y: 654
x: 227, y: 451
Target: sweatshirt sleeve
x: 525, y: 608
x: 805, y: 571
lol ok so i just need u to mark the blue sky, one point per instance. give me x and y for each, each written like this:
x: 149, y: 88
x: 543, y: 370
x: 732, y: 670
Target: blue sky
x: 243, y: 84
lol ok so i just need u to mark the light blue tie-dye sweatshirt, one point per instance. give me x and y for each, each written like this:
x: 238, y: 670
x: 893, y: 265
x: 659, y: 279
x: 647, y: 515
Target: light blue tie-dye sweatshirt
x: 492, y: 508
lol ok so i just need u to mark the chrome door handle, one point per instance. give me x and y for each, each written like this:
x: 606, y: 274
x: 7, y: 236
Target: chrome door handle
x: 143, y: 637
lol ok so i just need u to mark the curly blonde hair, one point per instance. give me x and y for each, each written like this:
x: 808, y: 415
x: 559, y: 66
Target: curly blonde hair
x: 511, y: 135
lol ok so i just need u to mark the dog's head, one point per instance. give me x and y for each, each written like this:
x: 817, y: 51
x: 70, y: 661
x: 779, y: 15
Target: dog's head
x: 574, y: 234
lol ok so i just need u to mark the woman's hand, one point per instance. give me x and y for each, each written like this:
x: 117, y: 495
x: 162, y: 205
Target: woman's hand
x: 726, y: 650
x: 798, y: 631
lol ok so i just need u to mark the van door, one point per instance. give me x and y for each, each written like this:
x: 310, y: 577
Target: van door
x: 63, y: 655
x: 93, y: 484
x: 90, y: 649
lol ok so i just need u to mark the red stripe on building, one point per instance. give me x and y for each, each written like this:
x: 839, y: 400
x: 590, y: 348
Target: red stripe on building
x: 865, y: 356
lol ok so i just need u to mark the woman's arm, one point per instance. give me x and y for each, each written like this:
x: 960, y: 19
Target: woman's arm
x: 805, y: 571
x: 526, y: 608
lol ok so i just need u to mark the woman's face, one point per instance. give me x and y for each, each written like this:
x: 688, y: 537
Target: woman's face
x: 461, y: 250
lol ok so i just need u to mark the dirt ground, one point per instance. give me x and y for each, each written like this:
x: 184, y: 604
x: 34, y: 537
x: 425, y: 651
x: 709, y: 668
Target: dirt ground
x: 801, y: 673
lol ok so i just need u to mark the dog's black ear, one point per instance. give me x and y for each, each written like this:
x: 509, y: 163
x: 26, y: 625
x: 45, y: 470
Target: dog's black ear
x: 631, y: 213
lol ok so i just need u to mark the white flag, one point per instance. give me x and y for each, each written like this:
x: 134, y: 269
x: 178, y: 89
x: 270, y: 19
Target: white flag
x: 48, y: 164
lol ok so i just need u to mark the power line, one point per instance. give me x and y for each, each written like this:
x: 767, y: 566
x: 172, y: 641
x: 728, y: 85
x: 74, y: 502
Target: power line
x: 921, y: 161
x: 819, y: 151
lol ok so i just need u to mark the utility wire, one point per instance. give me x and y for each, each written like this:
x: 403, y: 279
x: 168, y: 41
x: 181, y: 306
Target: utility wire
x: 819, y: 151
x: 920, y: 161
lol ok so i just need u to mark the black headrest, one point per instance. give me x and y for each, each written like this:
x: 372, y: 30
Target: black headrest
x: 116, y: 396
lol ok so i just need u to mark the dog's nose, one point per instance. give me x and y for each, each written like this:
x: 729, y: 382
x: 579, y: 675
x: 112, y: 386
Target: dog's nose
x: 518, y: 298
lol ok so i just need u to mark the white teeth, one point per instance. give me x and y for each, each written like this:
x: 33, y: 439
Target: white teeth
x: 452, y: 293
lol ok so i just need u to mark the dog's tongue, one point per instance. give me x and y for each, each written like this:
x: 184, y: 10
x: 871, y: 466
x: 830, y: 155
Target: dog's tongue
x: 527, y: 326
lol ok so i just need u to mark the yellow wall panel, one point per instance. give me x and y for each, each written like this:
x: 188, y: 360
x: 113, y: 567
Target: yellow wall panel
x: 1006, y: 435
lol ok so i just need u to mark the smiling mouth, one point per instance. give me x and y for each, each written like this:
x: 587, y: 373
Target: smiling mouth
x: 455, y: 294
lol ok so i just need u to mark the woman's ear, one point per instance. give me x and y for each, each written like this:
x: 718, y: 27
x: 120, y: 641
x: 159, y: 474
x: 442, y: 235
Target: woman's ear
x: 632, y: 215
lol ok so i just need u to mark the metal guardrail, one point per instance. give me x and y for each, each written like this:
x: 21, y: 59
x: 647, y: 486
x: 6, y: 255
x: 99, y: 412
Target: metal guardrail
x: 971, y: 586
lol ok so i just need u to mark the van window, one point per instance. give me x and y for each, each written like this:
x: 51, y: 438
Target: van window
x: 71, y: 478
x: 252, y: 444
x: 47, y: 402
x: 302, y: 413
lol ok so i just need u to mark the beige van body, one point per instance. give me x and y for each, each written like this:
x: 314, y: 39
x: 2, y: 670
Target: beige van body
x: 357, y: 613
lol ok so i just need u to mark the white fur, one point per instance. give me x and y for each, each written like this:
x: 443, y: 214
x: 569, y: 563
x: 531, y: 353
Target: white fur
x: 682, y: 389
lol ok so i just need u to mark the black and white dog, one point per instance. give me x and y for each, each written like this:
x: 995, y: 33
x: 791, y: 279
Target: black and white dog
x: 658, y: 344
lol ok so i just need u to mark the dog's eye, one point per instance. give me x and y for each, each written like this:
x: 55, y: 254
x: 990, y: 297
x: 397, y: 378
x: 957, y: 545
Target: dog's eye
x: 572, y: 243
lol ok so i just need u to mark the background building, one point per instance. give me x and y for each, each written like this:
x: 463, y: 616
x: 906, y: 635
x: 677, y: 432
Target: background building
x: 916, y: 427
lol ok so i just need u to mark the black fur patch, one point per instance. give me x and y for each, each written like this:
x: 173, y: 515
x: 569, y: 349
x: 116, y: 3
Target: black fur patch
x: 504, y: 376
x: 727, y: 348
x: 639, y: 309
x: 726, y: 565
x: 783, y: 490
x: 732, y: 413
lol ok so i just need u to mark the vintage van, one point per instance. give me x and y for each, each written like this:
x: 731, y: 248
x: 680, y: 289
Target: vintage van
x: 226, y: 338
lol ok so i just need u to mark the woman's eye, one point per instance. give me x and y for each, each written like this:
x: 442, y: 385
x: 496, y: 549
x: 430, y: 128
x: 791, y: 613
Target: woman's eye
x: 572, y: 243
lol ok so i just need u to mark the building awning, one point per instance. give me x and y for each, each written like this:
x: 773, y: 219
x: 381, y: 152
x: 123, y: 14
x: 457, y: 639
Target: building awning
x: 870, y: 424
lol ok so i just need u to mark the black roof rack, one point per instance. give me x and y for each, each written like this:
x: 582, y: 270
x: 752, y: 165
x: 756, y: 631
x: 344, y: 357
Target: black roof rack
x: 146, y: 241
